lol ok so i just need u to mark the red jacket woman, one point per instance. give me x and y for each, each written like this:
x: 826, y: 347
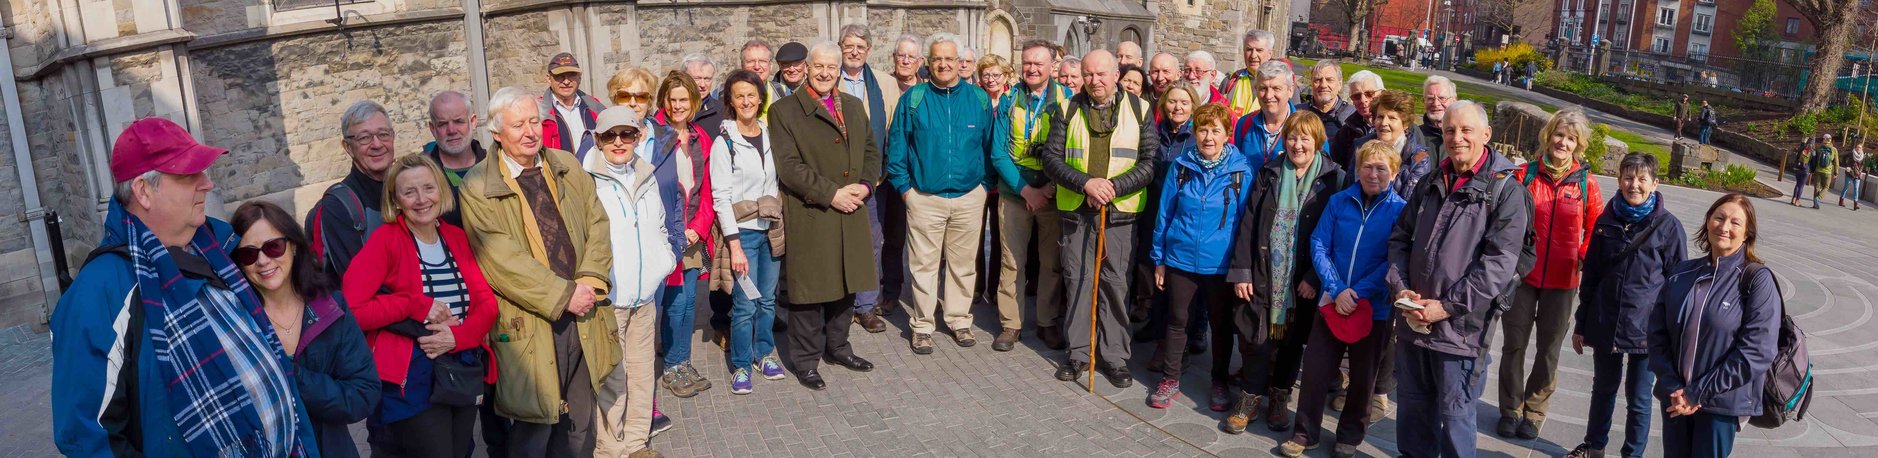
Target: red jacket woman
x: 1564, y: 209
x: 384, y: 287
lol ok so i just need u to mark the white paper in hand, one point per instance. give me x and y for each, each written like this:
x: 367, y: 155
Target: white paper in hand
x: 1406, y: 304
x: 748, y: 286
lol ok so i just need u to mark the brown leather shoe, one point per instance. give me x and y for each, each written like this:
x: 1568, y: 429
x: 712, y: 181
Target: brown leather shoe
x: 871, y: 321
x: 1006, y: 340
x: 1275, y: 416
x: 1052, y: 337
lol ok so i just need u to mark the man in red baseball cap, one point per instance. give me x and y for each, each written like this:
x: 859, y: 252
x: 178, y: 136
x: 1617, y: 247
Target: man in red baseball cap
x: 162, y: 269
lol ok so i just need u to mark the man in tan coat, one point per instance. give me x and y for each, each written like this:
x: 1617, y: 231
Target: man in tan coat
x: 534, y: 212
x: 827, y: 164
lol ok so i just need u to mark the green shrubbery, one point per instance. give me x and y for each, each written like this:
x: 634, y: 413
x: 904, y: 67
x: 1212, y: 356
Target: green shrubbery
x: 1516, y: 55
x: 1734, y: 178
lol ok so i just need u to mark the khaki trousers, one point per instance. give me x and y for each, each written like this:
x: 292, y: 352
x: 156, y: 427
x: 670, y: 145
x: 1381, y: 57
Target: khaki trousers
x: 943, y: 233
x: 1549, y: 312
x: 1018, y: 224
x: 625, y: 395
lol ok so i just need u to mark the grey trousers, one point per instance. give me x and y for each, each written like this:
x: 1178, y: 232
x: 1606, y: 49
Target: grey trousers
x: 1549, y: 312
x: 573, y: 435
x: 1078, y: 249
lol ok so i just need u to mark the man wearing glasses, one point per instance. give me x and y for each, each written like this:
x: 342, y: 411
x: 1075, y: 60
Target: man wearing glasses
x: 567, y: 121
x: 909, y: 66
x: 1363, y: 87
x: 1437, y: 94
x: 888, y: 212
x: 348, y: 211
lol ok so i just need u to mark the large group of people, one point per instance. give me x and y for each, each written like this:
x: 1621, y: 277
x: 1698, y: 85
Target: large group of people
x: 547, y: 285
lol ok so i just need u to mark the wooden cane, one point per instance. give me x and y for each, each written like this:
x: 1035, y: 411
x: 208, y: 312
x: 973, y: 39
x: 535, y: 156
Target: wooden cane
x: 1095, y: 295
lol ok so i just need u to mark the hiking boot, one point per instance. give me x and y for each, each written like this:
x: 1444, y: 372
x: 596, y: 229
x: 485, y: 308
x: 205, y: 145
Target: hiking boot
x: 1275, y: 416
x: 1164, y: 393
x: 1118, y: 376
x: 1052, y: 337
x: 1070, y: 369
x: 1219, y: 397
x: 772, y: 369
x: 1528, y: 429
x: 870, y: 320
x: 1585, y: 451
x: 699, y: 383
x: 922, y: 344
x: 1506, y: 427
x: 740, y: 381
x: 1242, y: 412
x: 680, y: 383
x: 963, y: 337
x: 1293, y: 448
x: 1006, y: 340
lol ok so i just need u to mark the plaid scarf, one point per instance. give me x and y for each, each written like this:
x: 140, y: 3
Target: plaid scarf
x: 833, y: 106
x: 230, y: 386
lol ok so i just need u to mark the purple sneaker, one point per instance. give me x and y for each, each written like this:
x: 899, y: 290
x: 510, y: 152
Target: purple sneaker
x: 772, y: 370
x: 740, y: 381
x: 1221, y: 399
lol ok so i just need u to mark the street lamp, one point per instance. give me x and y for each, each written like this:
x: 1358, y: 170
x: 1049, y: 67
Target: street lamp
x: 1090, y: 25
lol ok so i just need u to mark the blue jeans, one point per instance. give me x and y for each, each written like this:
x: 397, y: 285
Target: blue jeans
x: 679, y: 304
x: 1851, y: 188
x: 752, y: 319
x: 1706, y: 130
x: 1699, y: 435
x: 1437, y: 393
x: 1632, y: 371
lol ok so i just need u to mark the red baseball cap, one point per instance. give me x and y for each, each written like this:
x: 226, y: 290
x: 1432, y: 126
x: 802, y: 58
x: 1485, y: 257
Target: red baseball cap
x: 161, y: 145
x: 1348, y: 328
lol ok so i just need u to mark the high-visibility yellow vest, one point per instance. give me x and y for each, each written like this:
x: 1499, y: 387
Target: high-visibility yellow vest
x: 1122, y: 154
x: 1039, y: 127
x: 1242, y: 94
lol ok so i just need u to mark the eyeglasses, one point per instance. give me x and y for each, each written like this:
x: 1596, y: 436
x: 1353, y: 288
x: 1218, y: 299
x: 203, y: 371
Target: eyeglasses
x: 633, y: 97
x: 366, y: 139
x: 617, y: 134
x: 247, y: 255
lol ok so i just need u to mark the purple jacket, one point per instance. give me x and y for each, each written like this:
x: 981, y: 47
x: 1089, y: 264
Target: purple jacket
x: 1453, y: 247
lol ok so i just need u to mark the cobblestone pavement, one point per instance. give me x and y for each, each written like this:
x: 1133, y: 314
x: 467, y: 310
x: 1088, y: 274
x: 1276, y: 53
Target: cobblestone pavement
x: 977, y: 402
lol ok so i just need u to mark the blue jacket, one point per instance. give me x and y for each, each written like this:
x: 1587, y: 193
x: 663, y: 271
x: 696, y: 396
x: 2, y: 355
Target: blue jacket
x: 1350, y: 247
x: 1735, y: 345
x: 101, y: 411
x: 1618, y: 295
x: 1249, y: 135
x: 337, y: 376
x: 940, y: 140
x: 1200, y: 210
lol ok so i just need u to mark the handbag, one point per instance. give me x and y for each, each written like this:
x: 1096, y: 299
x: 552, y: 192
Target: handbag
x: 457, y: 379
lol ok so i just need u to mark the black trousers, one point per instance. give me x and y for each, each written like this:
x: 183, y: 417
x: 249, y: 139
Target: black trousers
x: 1184, y: 291
x: 495, y: 427
x: 573, y: 434
x: 818, y: 329
x: 1385, y: 359
x: 1289, y: 356
x: 1320, y: 369
x: 438, y: 432
x: 1268, y: 362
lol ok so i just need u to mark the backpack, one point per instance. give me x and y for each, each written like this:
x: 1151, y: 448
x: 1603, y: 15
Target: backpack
x: 1181, y: 177
x: 1789, y: 389
x: 355, y: 210
x: 1528, y: 252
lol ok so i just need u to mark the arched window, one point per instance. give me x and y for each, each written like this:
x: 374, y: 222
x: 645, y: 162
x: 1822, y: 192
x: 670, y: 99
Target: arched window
x: 1131, y: 34
x: 1001, y: 38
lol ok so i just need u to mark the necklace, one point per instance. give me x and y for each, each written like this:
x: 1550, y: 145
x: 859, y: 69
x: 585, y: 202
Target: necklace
x: 292, y: 325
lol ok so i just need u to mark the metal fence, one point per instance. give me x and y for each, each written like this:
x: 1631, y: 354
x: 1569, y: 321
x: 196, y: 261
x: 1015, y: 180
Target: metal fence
x: 1767, y: 78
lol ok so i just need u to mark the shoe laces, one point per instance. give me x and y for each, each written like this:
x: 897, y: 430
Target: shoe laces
x: 1167, y: 388
x: 742, y: 376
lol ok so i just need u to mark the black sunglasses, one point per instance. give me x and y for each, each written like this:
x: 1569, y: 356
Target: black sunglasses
x: 247, y: 255
x: 615, y: 134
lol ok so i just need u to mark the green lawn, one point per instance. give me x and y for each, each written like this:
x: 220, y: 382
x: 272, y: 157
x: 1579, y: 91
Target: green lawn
x: 1638, y: 144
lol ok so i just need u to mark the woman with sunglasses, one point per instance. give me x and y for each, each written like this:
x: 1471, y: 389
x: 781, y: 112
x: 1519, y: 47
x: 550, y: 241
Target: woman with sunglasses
x: 425, y: 307
x: 747, y: 201
x: 333, y: 366
x: 643, y: 254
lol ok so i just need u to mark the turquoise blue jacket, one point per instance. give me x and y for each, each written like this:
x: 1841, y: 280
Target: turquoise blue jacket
x: 939, y: 140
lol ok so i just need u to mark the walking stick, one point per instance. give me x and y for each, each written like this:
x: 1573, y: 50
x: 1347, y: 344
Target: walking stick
x: 1095, y: 295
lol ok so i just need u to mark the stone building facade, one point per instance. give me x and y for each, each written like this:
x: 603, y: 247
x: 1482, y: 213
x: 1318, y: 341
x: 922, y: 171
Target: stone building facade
x: 268, y: 79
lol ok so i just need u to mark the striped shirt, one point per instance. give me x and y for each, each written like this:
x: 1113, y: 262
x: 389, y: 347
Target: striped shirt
x: 442, y: 280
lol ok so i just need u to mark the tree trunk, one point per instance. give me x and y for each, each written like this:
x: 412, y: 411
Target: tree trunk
x: 1835, y: 35
x: 1359, y: 38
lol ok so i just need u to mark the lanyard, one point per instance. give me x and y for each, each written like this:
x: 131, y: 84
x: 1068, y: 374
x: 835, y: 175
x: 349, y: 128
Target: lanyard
x: 1030, y: 117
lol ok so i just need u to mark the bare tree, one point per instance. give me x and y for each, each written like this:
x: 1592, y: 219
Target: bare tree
x: 1834, y: 20
x: 1358, y: 13
x: 1512, y: 17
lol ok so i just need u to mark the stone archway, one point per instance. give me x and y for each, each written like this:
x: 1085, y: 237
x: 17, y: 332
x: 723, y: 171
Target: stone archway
x: 1001, y: 41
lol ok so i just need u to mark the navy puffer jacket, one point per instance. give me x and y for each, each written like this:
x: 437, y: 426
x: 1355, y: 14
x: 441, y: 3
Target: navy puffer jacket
x: 1617, y: 294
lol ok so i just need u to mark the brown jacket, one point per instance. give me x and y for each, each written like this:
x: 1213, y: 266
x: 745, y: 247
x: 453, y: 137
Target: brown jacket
x: 529, y: 295
x: 831, y: 254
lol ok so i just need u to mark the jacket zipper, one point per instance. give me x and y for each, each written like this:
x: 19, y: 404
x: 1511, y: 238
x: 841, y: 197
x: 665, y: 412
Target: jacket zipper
x: 1350, y: 276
